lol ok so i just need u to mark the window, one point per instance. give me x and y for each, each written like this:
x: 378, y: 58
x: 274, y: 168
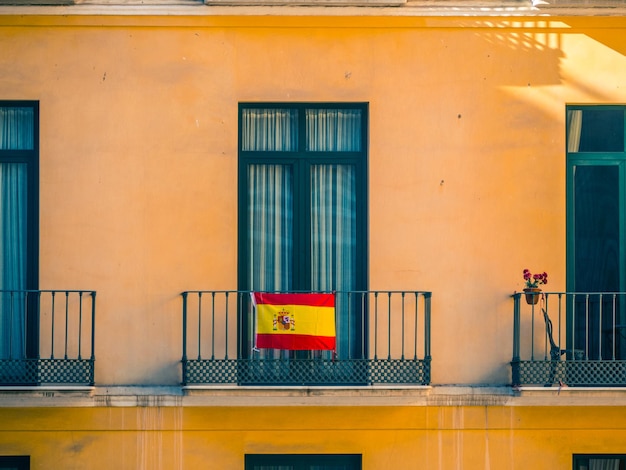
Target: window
x: 599, y: 462
x: 302, y: 213
x: 596, y: 236
x: 303, y: 462
x: 15, y: 463
x: 19, y: 150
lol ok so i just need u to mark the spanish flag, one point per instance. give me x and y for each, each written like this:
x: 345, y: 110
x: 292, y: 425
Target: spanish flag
x: 295, y: 321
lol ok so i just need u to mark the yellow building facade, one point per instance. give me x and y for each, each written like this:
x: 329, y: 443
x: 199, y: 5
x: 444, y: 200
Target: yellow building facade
x: 468, y: 166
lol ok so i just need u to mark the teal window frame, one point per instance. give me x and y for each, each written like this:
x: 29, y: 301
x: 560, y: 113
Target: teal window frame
x: 14, y: 462
x: 301, y: 159
x: 303, y: 461
x: 584, y: 158
x: 29, y: 157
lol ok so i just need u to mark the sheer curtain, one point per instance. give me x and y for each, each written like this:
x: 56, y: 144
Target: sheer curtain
x: 574, y: 128
x: 333, y: 130
x: 16, y: 133
x: 333, y: 216
x: 333, y: 243
x: 268, y: 129
x: 604, y: 464
x: 270, y: 218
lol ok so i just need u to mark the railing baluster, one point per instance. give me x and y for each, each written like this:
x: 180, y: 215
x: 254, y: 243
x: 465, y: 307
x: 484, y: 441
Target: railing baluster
x: 185, y: 295
x: 600, y: 325
x: 427, y: 318
x: 587, y: 325
x: 613, y: 322
x: 52, y: 314
x: 226, y: 326
x: 213, y: 326
x: 415, y: 333
x: 560, y: 321
x: 364, y: 326
x: 11, y: 326
x: 24, y: 313
x: 200, y: 326
x: 546, y: 341
x: 389, y: 325
x: 532, y: 334
x: 93, y: 325
x: 67, y: 306
x: 403, y: 332
x: 375, y: 325
x: 80, y: 323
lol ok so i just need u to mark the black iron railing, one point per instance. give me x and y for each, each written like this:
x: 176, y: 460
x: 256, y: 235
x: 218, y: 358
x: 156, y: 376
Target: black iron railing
x: 571, y: 338
x: 383, y: 337
x: 47, y: 337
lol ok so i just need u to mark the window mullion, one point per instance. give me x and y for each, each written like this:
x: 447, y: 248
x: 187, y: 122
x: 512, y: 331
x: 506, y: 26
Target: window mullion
x: 301, y: 224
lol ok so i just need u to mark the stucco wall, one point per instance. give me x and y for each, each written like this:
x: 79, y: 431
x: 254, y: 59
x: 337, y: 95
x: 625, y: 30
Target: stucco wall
x: 138, y: 159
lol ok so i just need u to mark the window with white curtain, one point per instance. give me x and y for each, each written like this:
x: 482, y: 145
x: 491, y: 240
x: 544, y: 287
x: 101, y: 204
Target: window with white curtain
x: 600, y: 462
x: 302, y: 212
x: 18, y: 226
x: 303, y: 462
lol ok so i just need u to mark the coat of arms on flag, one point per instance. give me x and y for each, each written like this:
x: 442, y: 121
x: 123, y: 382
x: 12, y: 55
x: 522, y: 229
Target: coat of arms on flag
x: 277, y: 316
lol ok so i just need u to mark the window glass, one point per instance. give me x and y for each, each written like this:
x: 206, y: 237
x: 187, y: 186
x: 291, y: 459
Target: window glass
x: 599, y: 462
x: 16, y: 128
x: 302, y: 462
x: 21, y: 462
x: 333, y: 130
x: 269, y: 130
x: 596, y: 245
x: 595, y: 130
x: 18, y: 226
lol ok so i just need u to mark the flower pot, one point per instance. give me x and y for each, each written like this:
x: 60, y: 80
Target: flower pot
x: 532, y: 295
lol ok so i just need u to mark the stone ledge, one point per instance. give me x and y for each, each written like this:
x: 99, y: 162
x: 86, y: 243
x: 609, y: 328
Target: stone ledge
x: 307, y: 3
x: 377, y: 396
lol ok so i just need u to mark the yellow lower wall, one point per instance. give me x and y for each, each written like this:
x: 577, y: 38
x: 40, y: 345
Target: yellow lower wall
x: 388, y: 437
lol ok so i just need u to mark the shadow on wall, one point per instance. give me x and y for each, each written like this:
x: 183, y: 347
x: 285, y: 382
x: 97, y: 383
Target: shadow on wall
x: 536, y: 47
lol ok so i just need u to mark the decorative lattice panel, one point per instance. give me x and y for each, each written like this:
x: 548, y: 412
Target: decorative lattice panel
x: 573, y: 373
x: 46, y: 371
x: 306, y: 372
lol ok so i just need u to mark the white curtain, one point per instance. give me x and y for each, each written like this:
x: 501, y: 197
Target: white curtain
x: 333, y: 130
x: 269, y: 130
x: 574, y: 128
x: 270, y: 219
x: 333, y: 243
x: 16, y: 133
x: 604, y: 464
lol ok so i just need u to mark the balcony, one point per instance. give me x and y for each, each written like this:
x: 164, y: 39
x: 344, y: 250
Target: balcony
x: 383, y: 337
x: 47, y: 337
x: 569, y: 338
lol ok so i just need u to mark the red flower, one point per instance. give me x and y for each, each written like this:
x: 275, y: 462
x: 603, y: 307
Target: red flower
x: 534, y: 280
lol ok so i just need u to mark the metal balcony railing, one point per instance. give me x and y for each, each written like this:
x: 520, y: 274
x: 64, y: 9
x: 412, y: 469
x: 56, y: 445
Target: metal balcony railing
x: 571, y: 338
x: 47, y: 337
x: 383, y: 337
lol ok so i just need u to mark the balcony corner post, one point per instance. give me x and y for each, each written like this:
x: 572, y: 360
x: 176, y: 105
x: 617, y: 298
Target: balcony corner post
x: 515, y: 366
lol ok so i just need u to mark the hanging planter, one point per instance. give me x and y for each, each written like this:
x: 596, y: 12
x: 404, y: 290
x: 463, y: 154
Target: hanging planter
x: 532, y: 290
x: 532, y: 295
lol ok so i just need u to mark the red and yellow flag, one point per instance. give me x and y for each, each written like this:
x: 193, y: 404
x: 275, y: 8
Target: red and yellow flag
x: 295, y: 321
